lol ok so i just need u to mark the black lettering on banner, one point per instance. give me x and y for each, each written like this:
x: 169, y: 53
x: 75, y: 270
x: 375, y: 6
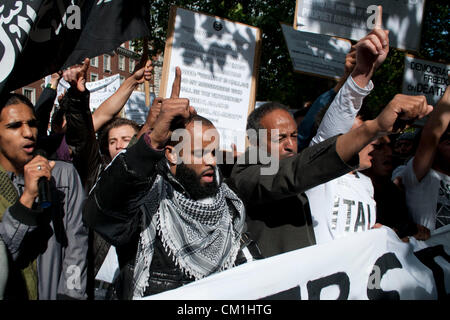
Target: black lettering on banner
x: 349, y: 204
x: 289, y: 294
x: 426, y: 256
x: 360, y: 219
x: 386, y: 262
x: 335, y: 213
x: 340, y: 278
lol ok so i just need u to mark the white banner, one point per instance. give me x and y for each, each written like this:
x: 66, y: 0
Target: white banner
x: 373, y: 265
x: 316, y: 54
x: 422, y: 77
x: 99, y: 90
x: 352, y: 20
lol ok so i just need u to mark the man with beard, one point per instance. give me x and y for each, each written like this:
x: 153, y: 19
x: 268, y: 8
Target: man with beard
x: 164, y: 207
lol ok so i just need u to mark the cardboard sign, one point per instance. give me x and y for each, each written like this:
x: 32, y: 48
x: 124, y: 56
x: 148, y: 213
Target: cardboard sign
x: 316, y: 54
x: 422, y: 77
x: 351, y: 20
x: 218, y: 59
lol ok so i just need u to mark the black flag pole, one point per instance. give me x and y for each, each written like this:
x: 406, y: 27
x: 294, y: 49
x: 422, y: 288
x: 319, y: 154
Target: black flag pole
x: 147, y: 82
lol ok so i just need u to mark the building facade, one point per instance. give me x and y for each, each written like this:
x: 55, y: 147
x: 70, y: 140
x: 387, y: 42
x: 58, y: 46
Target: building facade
x: 121, y: 61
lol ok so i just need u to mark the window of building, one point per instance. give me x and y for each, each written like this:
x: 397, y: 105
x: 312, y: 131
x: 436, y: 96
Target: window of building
x: 106, y: 63
x: 131, y: 65
x: 94, y: 62
x: 122, y: 79
x: 94, y: 77
x: 30, y: 93
x: 121, y: 63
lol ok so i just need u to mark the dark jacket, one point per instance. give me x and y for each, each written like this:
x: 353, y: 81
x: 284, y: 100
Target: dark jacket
x: 80, y: 136
x: 278, y: 214
x: 43, y: 109
x: 115, y: 207
x: 86, y: 157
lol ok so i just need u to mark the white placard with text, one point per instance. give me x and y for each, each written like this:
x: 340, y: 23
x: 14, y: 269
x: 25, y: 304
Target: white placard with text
x: 217, y: 61
x: 350, y: 19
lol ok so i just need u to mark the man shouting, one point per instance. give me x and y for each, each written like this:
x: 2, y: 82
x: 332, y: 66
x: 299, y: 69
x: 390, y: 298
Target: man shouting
x: 47, y: 245
x: 164, y: 206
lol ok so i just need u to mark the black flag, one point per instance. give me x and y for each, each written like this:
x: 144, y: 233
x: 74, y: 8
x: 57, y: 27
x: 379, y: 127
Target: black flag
x: 40, y: 37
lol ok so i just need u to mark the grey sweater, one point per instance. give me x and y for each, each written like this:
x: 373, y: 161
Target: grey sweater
x: 55, y: 236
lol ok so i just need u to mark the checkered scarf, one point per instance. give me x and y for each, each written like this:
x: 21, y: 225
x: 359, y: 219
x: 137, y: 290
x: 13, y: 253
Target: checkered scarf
x: 201, y: 238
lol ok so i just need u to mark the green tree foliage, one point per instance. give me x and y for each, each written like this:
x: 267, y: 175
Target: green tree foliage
x: 277, y: 80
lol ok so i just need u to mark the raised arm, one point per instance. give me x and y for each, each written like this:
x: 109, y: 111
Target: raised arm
x: 45, y: 103
x: 434, y: 129
x: 324, y: 161
x: 311, y: 167
x: 112, y: 106
x: 80, y: 135
x: 157, y: 103
x: 402, y: 107
x: 112, y: 208
x: 370, y: 51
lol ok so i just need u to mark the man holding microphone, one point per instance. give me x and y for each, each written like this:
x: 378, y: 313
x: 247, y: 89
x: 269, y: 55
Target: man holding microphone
x: 46, y: 245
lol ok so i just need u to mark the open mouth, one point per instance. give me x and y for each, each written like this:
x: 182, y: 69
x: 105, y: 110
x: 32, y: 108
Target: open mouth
x: 208, y: 176
x: 29, y: 148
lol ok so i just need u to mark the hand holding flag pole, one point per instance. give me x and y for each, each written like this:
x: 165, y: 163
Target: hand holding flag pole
x: 147, y: 82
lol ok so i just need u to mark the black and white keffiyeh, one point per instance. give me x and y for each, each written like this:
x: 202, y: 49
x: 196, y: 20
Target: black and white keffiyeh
x: 201, y: 238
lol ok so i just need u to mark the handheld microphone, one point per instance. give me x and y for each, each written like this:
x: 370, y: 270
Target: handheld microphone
x: 45, y: 200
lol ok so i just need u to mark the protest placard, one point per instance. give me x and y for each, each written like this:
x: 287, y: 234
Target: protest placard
x: 99, y: 90
x: 354, y: 19
x: 316, y: 54
x: 218, y: 59
x: 423, y: 77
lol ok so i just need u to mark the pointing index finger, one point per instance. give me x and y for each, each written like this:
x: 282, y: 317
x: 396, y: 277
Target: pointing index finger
x: 176, y: 86
x: 379, y: 18
x: 86, y: 64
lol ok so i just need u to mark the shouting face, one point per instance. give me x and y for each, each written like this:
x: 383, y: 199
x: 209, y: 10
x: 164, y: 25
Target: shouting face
x: 18, y: 132
x: 286, y: 139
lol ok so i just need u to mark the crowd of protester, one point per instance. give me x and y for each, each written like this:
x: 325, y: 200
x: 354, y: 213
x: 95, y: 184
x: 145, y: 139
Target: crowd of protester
x: 123, y: 189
